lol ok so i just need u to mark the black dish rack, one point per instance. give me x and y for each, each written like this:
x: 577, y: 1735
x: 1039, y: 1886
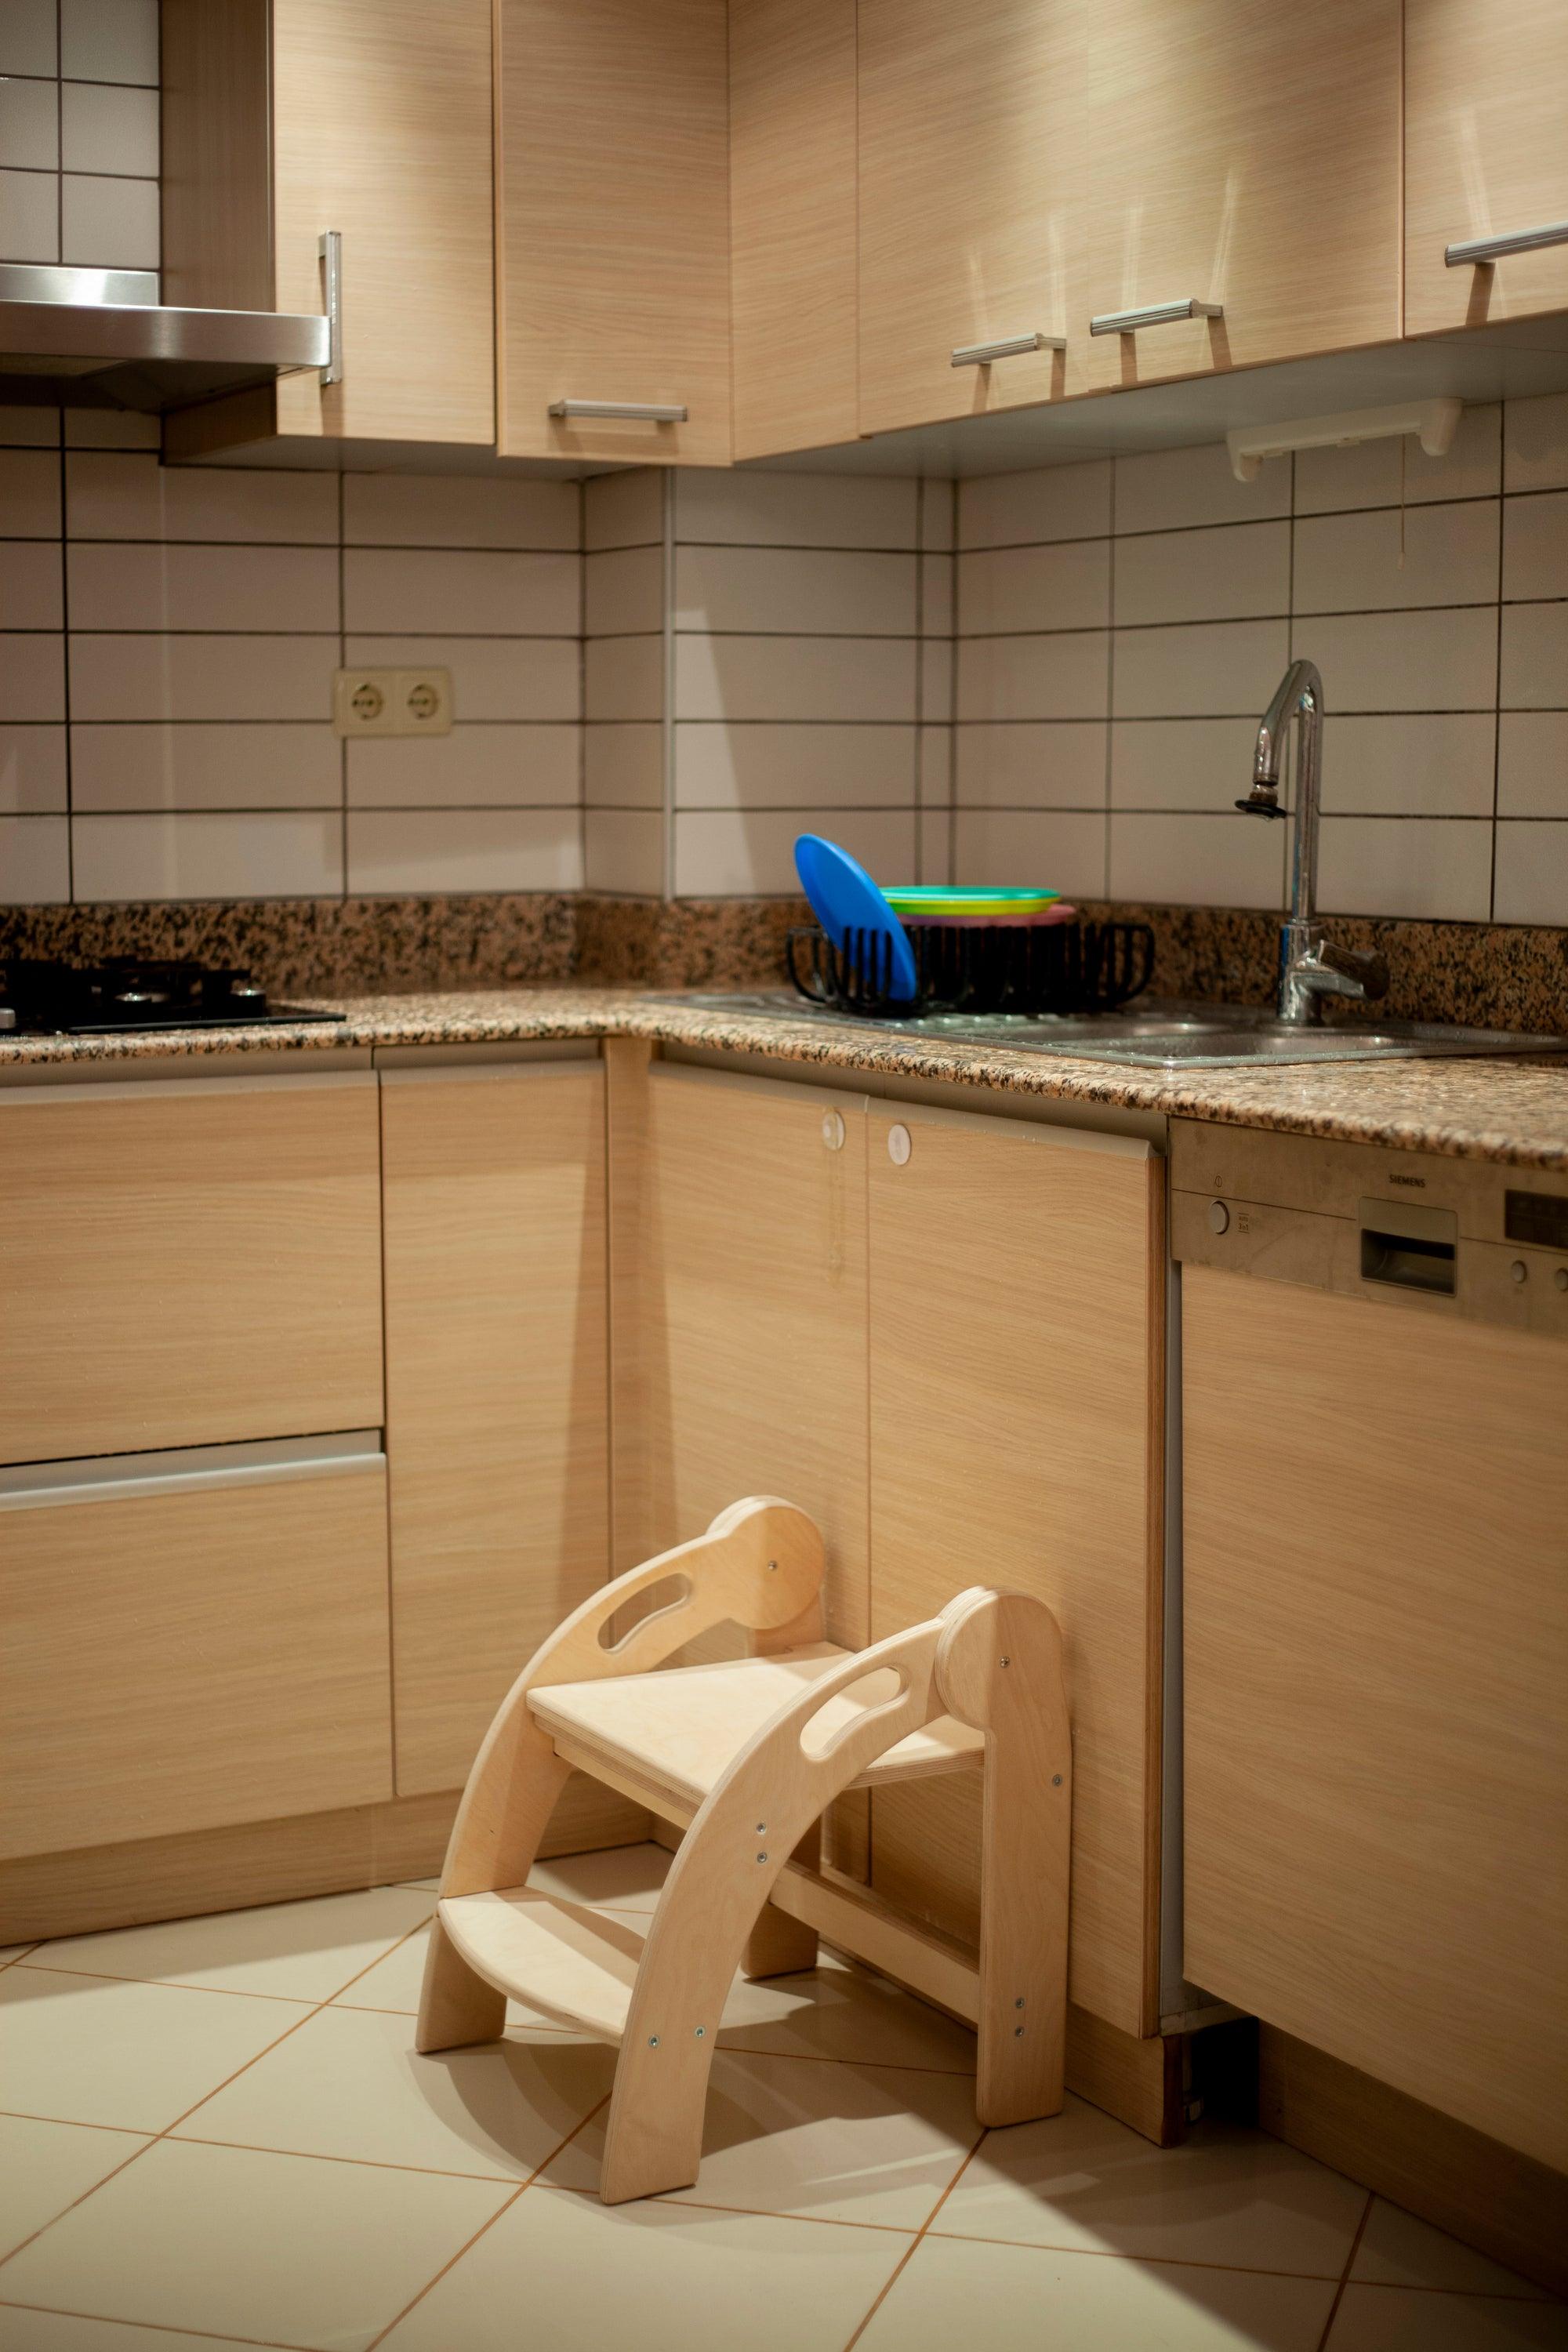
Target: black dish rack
x: 1021, y: 968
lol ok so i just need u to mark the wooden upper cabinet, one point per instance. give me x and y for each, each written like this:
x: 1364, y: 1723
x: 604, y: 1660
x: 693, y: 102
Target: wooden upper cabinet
x: 1016, y: 1282
x: 496, y: 1374
x: 613, y: 268
x: 1485, y: 154
x: 285, y: 119
x: 188, y: 1262
x: 972, y: 168
x: 1243, y: 154
x: 793, y: 224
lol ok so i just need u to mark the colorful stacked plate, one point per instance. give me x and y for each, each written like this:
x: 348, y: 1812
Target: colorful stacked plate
x: 930, y: 902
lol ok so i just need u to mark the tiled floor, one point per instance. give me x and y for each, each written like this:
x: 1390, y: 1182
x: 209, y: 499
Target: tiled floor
x: 217, y: 2131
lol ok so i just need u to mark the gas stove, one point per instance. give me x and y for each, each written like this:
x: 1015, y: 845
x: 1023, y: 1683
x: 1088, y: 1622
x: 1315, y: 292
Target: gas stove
x: 66, y: 999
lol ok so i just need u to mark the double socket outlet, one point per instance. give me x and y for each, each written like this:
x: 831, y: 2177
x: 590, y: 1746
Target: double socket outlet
x: 392, y: 701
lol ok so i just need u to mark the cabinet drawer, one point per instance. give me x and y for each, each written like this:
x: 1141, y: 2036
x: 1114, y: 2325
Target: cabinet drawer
x: 182, y: 1649
x: 188, y: 1262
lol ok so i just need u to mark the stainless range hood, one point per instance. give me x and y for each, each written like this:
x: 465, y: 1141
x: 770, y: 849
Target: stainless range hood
x: 97, y: 338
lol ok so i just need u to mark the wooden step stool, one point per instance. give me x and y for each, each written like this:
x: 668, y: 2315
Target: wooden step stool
x: 746, y: 1757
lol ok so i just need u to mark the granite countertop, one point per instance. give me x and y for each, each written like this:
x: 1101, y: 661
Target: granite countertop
x: 1504, y: 1110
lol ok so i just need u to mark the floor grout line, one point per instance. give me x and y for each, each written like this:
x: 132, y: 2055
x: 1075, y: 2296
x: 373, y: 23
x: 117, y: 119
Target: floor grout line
x: 1344, y: 2274
x: 450, y: 2264
x: 197, y: 2334
x: 912, y: 2248
x: 155, y: 2139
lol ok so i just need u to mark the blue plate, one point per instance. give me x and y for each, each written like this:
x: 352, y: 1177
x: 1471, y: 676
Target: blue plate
x: 844, y: 898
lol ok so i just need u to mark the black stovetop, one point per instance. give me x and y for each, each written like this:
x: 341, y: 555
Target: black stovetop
x: 126, y: 992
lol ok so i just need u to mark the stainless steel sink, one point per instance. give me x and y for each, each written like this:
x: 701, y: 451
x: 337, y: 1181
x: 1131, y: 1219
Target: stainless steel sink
x: 1156, y: 1034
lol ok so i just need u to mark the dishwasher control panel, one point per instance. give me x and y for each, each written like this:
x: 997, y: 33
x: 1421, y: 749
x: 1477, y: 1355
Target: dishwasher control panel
x: 1466, y: 1237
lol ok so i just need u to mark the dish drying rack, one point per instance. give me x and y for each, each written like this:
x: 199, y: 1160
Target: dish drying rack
x: 1026, y: 968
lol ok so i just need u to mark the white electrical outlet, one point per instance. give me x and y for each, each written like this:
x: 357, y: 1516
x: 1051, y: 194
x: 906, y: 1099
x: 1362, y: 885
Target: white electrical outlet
x: 392, y: 701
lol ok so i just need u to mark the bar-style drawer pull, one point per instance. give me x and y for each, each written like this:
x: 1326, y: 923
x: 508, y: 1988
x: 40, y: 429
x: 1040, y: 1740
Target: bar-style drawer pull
x: 1155, y: 314
x: 981, y: 354
x: 1498, y: 248
x: 639, y: 412
x: 330, y: 253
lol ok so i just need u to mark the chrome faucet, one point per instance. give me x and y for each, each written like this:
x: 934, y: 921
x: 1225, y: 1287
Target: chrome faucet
x: 1311, y: 966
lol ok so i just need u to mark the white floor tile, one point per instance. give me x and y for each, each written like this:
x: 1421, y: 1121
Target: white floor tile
x: 1397, y: 2250
x: 45, y: 2166
x: 296, y: 1951
x: 351, y: 2084
x: 85, y: 2050
x: 283, y: 2249
x: 652, y: 2275
x: 23, y: 2330
x: 824, y: 2143
x: 1083, y: 2181
x: 839, y: 2011
x: 1026, y: 2299
x: 1398, y: 2319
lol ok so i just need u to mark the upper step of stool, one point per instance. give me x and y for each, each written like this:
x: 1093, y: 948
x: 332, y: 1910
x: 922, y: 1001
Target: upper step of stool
x: 681, y: 1729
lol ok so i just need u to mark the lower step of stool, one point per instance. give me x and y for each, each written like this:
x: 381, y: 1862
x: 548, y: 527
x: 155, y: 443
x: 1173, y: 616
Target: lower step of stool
x: 570, y: 1963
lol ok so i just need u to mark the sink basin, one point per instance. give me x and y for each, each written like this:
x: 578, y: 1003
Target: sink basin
x: 1155, y: 1034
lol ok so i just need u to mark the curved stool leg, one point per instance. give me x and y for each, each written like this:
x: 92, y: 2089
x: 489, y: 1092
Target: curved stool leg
x: 455, y: 2007
x: 779, y: 1946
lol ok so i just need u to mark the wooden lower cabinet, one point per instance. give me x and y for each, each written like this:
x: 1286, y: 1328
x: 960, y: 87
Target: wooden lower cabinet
x: 1016, y: 1279
x: 952, y: 1361
x: 1376, y: 1651
x: 181, y: 1655
x: 189, y: 1261
x: 496, y: 1347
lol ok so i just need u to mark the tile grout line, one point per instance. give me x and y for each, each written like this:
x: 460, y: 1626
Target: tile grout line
x: 1344, y: 2276
x: 156, y: 2137
x: 197, y: 2336
x: 908, y: 2253
x: 505, y: 2207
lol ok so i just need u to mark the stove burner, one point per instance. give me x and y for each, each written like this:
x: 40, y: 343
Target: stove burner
x: 128, y: 992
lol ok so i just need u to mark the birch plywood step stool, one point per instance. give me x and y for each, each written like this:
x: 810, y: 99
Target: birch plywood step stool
x: 746, y: 1757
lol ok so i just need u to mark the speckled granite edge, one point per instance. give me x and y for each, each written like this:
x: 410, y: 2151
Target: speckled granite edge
x: 1492, y: 976
x: 1515, y: 1112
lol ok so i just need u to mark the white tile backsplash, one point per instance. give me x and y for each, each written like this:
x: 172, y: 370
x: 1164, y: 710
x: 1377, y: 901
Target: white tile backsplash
x: 727, y: 853
x: 1180, y: 489
x: 33, y: 775
x: 272, y: 853
x: 29, y: 216
x: 623, y: 592
x: 492, y: 677
x: 1026, y: 509
x: 623, y: 765
x: 473, y: 767
x: 1232, y: 572
x: 109, y: 223
x: 30, y: 125
x: 624, y: 510
x: 1531, y: 884
x: 1204, y: 670
x: 786, y: 590
x: 196, y: 677
x: 1535, y: 546
x: 1532, y: 763
x: 1422, y: 867
x: 28, y: 37
x: 34, y: 860
x: 1014, y: 588
x: 1443, y: 660
x: 110, y: 40
x: 454, y: 510
x: 1372, y: 474
x: 624, y: 851
x: 1032, y: 765
x: 743, y: 678
x: 139, y: 585
x: 1218, y: 859
x: 30, y: 592
x: 785, y: 766
x: 127, y: 494
x: 623, y: 678
x: 391, y: 852
x: 1061, y: 676
x: 32, y: 677
x: 1536, y: 443
x: 1389, y: 559
x: 231, y: 765
x: 1045, y: 849
x: 1180, y: 763
x: 1534, y: 653
x: 109, y: 129
x: 835, y: 510
x: 470, y: 591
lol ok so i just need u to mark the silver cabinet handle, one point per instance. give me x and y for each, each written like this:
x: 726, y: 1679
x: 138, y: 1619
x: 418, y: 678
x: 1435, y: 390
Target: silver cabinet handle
x: 1498, y: 248
x: 1156, y: 314
x: 330, y: 253
x: 641, y: 411
x: 981, y: 354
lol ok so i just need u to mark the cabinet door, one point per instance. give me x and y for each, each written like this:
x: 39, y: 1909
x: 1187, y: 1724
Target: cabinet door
x: 613, y: 270
x: 1242, y: 156
x: 496, y: 1386
x: 1485, y: 154
x: 753, y: 1312
x: 188, y: 1263
x: 1375, y: 1621
x: 283, y: 118
x: 972, y: 184
x: 1017, y: 1280
x: 187, y: 1650
x: 793, y: 223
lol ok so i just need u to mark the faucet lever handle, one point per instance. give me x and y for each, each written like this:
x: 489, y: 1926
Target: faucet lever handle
x: 1364, y: 966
